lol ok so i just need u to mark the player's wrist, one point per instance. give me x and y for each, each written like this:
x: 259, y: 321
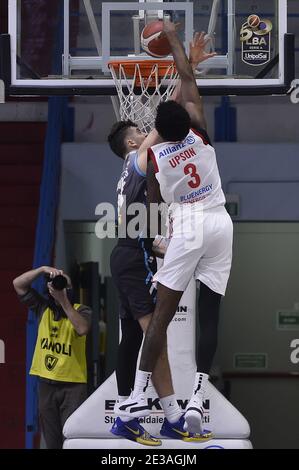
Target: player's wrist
x: 172, y: 36
x: 161, y: 242
x: 160, y: 246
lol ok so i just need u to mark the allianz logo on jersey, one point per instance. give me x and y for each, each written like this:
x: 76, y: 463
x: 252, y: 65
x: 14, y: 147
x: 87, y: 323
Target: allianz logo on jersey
x: 174, y: 148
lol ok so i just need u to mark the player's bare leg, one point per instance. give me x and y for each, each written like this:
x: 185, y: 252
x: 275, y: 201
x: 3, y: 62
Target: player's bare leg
x: 154, y: 342
x: 161, y: 376
x: 153, y: 351
x: 208, y: 315
x: 166, y: 307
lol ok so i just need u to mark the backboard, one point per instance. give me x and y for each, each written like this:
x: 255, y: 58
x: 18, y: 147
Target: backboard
x: 63, y: 47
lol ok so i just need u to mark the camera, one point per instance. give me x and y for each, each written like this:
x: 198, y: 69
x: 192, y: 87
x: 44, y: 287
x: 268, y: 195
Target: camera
x: 58, y: 282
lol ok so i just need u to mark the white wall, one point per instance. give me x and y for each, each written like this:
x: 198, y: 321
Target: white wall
x: 90, y: 174
x: 272, y: 172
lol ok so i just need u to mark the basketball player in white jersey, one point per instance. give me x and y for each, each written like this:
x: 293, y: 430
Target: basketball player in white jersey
x: 132, y: 268
x: 184, y: 164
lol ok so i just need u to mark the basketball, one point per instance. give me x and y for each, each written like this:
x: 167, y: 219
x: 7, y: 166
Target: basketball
x: 152, y: 42
x: 254, y: 21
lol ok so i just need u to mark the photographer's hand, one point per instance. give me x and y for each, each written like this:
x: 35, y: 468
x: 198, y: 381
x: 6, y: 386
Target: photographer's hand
x: 23, y: 282
x: 59, y: 295
x: 52, y: 272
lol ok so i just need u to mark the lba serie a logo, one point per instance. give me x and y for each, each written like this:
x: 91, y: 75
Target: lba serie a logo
x: 255, y: 38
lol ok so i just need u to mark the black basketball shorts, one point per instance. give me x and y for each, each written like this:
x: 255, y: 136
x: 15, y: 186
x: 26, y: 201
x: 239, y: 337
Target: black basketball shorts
x: 132, y: 270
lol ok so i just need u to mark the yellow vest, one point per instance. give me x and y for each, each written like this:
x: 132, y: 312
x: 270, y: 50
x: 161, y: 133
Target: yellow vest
x: 59, y: 351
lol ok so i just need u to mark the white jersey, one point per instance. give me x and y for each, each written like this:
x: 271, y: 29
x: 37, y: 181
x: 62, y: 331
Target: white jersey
x: 187, y: 171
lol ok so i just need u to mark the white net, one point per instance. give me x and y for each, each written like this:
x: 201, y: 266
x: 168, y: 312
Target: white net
x: 141, y: 87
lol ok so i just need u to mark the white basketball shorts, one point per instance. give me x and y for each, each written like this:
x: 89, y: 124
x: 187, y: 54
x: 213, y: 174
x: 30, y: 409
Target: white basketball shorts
x: 201, y: 248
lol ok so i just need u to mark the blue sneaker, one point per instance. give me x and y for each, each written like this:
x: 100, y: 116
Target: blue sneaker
x: 176, y: 431
x: 133, y: 431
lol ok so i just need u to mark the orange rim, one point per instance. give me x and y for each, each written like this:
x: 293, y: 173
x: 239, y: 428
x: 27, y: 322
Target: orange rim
x: 145, y: 67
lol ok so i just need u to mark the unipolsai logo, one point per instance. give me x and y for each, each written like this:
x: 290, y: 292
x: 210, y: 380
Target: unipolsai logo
x: 255, y: 38
x: 2, y: 352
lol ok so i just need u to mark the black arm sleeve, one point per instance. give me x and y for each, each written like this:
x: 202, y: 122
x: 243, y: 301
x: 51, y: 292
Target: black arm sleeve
x: 86, y: 313
x: 36, y: 302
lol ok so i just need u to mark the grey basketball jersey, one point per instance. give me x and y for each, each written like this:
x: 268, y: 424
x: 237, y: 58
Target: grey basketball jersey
x: 131, y: 189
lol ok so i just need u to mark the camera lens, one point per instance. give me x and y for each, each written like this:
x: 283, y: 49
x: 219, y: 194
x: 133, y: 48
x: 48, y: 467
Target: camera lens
x: 59, y: 282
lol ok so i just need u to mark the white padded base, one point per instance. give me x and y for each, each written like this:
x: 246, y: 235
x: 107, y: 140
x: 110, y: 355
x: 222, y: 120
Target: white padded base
x: 166, y: 444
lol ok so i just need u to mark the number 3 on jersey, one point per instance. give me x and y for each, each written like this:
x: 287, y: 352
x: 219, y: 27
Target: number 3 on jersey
x: 191, y: 170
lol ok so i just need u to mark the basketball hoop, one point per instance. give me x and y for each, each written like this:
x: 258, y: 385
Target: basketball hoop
x: 141, y: 85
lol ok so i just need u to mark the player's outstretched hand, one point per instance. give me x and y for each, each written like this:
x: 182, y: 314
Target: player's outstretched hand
x: 197, y: 52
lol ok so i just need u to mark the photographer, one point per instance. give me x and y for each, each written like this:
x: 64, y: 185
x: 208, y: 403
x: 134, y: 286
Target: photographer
x: 59, y: 358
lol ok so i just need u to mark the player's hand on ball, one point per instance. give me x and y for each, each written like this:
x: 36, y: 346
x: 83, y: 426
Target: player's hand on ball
x: 169, y: 26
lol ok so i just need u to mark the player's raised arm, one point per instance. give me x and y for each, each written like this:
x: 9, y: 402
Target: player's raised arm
x: 190, y: 98
x: 153, y: 188
x: 197, y: 54
x: 152, y: 139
